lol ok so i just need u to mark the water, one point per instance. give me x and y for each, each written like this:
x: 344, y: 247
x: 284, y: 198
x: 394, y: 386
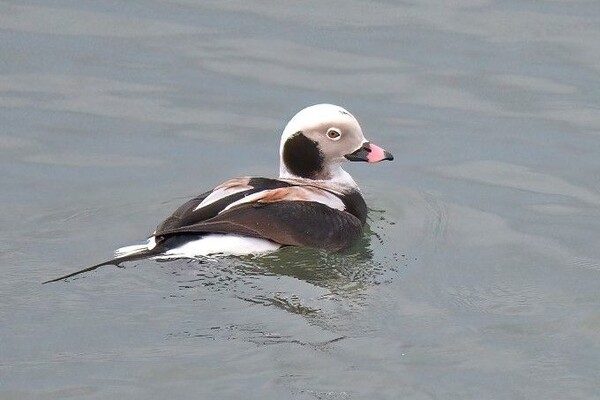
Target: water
x: 479, y: 274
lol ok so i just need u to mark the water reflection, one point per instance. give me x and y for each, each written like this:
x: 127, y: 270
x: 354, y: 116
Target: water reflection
x: 338, y: 272
x: 327, y: 290
x: 273, y: 279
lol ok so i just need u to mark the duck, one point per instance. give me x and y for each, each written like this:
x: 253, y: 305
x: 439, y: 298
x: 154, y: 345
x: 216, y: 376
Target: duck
x: 313, y: 203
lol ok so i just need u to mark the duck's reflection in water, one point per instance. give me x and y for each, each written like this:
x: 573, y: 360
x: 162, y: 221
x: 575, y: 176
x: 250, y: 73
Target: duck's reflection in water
x: 329, y: 291
x: 298, y: 280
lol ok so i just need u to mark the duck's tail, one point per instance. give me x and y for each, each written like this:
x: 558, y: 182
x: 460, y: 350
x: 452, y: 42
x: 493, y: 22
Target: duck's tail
x: 140, y: 253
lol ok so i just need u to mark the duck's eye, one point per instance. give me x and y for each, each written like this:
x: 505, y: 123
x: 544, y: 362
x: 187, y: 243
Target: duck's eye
x: 334, y: 134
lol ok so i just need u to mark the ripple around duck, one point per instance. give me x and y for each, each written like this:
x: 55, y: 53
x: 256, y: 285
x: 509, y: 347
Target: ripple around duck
x: 293, y: 279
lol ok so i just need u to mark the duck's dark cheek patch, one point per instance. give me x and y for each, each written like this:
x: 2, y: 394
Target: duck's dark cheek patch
x: 302, y: 156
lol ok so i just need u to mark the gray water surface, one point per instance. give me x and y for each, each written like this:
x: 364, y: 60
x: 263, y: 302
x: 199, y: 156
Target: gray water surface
x: 479, y: 273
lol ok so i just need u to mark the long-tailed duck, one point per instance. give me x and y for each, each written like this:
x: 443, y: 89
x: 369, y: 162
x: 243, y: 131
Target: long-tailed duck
x: 314, y: 202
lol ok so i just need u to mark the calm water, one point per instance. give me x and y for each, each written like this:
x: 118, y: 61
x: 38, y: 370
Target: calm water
x: 478, y: 278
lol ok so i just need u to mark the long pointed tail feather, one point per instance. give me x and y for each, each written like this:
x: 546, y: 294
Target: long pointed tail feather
x: 140, y: 255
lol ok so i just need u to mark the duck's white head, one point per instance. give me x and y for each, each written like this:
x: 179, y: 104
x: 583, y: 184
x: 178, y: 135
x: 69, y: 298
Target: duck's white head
x: 318, y: 139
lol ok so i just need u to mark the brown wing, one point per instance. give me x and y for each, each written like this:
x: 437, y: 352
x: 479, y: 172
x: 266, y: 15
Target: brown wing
x: 297, y: 223
x: 194, y: 211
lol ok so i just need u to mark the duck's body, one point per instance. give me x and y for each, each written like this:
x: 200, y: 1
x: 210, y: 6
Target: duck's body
x: 314, y: 202
x: 254, y: 215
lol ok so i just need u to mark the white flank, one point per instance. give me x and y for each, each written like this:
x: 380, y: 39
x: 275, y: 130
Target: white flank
x: 211, y: 244
x: 216, y: 243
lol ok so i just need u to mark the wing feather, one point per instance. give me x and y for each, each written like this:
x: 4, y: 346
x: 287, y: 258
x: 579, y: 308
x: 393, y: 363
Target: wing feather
x: 209, y: 204
x: 297, y: 223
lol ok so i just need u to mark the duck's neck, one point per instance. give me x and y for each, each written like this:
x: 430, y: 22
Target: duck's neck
x: 334, y: 176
